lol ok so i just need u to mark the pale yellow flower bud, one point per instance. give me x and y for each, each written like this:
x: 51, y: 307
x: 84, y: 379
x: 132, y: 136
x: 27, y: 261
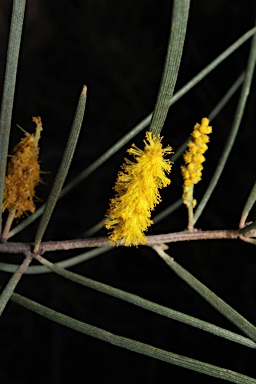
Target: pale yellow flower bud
x: 192, y: 172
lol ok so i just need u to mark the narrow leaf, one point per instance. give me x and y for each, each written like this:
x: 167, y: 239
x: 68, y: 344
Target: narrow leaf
x: 63, y: 169
x: 133, y: 345
x: 248, y: 206
x: 18, y: 11
x: 12, y: 283
x: 146, y: 304
x: 172, y: 64
x: 219, y: 304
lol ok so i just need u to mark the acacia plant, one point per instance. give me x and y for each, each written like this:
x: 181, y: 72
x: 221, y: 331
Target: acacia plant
x: 146, y: 170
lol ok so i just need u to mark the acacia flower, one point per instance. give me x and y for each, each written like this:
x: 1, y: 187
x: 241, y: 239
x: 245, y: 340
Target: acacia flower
x: 23, y: 174
x: 137, y: 192
x: 193, y: 157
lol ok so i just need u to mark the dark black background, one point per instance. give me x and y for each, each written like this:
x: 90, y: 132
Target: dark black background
x: 117, y: 49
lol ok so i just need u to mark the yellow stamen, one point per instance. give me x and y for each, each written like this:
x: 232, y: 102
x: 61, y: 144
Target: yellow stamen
x: 137, y: 192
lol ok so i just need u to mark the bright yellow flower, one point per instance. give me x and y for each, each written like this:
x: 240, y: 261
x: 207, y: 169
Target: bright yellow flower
x: 192, y: 171
x: 137, y: 192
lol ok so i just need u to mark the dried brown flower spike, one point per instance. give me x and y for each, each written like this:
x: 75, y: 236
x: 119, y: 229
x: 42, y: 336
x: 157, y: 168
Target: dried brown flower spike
x: 22, y: 176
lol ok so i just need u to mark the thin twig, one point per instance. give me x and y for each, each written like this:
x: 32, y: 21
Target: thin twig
x: 181, y: 236
x: 52, y: 246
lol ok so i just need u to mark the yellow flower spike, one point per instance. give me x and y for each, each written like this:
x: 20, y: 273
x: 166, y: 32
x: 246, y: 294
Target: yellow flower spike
x: 23, y: 174
x: 137, y: 192
x: 193, y: 157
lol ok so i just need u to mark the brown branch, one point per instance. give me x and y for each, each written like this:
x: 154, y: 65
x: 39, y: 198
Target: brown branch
x: 192, y: 235
x: 15, y: 247
x: 103, y: 241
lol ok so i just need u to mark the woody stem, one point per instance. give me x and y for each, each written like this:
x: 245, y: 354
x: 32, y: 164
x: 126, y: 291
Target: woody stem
x: 8, y: 225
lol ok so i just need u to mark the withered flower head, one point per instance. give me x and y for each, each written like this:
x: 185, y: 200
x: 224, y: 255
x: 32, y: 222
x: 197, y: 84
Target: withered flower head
x: 23, y: 174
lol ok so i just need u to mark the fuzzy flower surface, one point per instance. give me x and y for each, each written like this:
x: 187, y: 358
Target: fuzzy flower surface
x: 23, y: 174
x: 137, y: 192
x: 194, y: 157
